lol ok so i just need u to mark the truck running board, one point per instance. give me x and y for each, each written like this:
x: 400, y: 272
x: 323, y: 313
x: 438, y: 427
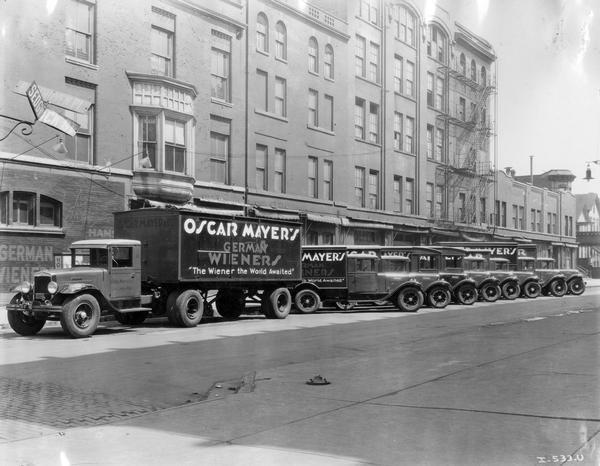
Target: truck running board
x: 134, y: 309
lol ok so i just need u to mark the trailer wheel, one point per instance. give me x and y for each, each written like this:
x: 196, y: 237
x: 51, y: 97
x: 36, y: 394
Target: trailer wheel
x: 438, y: 297
x: 409, y: 299
x: 276, y: 304
x: 577, y: 286
x: 466, y: 294
x: 307, y: 301
x: 131, y: 318
x: 490, y: 292
x: 230, y: 304
x: 532, y: 290
x: 511, y: 290
x: 172, y: 313
x: 80, y: 316
x: 189, y: 307
x: 23, y: 324
x: 558, y: 287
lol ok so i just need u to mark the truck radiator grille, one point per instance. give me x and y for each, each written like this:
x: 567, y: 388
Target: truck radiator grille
x: 40, y: 285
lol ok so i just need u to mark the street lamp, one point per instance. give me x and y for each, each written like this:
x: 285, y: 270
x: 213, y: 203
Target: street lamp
x: 588, y: 170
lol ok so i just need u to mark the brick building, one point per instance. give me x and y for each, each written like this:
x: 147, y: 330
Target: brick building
x: 364, y: 120
x: 588, y: 232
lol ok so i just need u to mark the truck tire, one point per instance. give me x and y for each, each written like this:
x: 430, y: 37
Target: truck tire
x: 307, y: 301
x: 189, y: 308
x: 511, y: 290
x: 409, y: 299
x: 438, y: 297
x: 131, y: 318
x: 576, y: 286
x: 277, y: 303
x: 230, y: 304
x: 532, y: 289
x: 23, y: 324
x: 172, y: 313
x: 80, y: 316
x: 558, y: 288
x: 466, y: 294
x: 490, y: 292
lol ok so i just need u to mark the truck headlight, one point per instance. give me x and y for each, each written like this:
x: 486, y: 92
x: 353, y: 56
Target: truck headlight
x: 23, y: 288
x: 52, y: 287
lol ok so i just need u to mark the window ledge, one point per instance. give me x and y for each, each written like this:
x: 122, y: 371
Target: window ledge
x: 376, y: 144
x: 320, y: 130
x: 313, y: 73
x: 406, y: 43
x: 367, y: 80
x: 282, y: 60
x: 271, y: 115
x: 329, y: 79
x: 263, y: 52
x: 224, y: 103
x: 31, y: 229
x: 85, y: 64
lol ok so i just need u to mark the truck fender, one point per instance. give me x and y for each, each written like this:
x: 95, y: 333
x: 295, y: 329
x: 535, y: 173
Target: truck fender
x: 469, y: 281
x: 492, y: 280
x: 74, y: 288
x: 413, y: 284
x: 509, y: 279
x: 306, y: 286
x: 574, y: 276
x: 442, y: 283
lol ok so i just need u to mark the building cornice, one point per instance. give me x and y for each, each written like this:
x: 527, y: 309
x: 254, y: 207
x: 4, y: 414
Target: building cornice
x: 162, y: 80
x: 207, y: 12
x: 474, y: 42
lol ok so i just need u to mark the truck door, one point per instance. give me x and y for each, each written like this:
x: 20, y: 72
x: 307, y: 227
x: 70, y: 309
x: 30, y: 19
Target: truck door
x: 124, y: 273
x: 362, y: 275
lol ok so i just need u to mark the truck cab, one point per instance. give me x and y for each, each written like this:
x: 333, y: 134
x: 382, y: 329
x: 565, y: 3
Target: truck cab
x: 553, y: 281
x: 515, y: 283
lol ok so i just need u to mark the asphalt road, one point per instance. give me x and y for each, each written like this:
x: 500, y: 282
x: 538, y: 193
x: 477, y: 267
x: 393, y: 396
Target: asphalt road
x: 506, y: 383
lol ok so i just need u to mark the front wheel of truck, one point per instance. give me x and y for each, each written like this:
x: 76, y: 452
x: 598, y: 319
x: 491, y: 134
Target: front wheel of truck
x: 558, y: 288
x: 230, y: 304
x: 532, y: 289
x: 409, y: 299
x: 490, y: 292
x: 80, y: 316
x: 577, y: 286
x: 438, y: 297
x: 466, y: 294
x: 511, y: 290
x: 23, y: 324
x: 277, y: 303
x: 189, y: 308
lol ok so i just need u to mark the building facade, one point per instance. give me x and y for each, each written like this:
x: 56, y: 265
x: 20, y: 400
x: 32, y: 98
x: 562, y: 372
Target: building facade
x: 367, y: 121
x: 588, y: 232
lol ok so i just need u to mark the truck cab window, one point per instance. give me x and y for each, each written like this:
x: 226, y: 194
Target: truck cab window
x: 98, y: 257
x: 121, y: 257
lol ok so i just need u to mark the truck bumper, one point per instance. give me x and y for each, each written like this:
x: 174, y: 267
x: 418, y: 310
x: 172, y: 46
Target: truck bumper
x: 34, y: 308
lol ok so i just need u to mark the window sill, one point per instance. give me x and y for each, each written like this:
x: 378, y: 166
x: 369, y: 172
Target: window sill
x: 263, y: 52
x: 224, y: 103
x: 320, y: 130
x: 282, y: 60
x: 271, y: 115
x: 404, y: 153
x: 406, y: 43
x: 313, y: 73
x: 331, y: 80
x: 376, y: 144
x: 362, y: 78
x: 85, y: 64
x: 31, y: 229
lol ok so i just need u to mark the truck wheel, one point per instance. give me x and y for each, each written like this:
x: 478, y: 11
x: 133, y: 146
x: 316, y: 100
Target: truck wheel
x: 490, y: 292
x: 438, y: 297
x: 466, y: 294
x: 532, y: 289
x: 577, y: 286
x: 511, y: 290
x: 80, y: 316
x: 172, y: 313
x: 189, y: 307
x: 307, y: 301
x: 23, y: 324
x: 131, y: 318
x: 409, y: 299
x: 230, y: 304
x: 558, y: 288
x: 277, y: 303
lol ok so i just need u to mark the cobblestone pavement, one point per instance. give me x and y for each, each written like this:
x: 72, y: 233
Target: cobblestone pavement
x: 57, y: 406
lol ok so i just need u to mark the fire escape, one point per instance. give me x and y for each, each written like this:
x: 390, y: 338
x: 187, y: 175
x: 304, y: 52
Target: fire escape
x: 467, y: 171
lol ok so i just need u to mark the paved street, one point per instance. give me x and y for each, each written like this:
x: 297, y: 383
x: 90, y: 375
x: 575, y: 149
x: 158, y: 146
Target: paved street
x: 506, y: 383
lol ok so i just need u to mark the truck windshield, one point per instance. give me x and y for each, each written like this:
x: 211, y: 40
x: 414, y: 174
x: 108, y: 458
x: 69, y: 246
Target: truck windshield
x: 90, y: 257
x: 391, y: 265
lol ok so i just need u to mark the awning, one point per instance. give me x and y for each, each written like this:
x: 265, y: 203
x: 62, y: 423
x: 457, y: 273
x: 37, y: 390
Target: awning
x: 439, y: 231
x: 367, y: 225
x: 557, y: 244
x: 572, y: 245
x: 276, y: 215
x: 323, y: 218
x: 521, y: 239
x: 473, y: 237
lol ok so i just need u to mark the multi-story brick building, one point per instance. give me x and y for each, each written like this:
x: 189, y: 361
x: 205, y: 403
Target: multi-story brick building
x: 365, y: 120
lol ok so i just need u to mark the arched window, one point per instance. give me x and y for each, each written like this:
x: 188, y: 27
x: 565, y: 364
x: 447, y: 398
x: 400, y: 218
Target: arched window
x: 280, y: 41
x: 313, y: 55
x: 483, y: 76
x: 405, y: 25
x: 473, y: 71
x: 328, y: 61
x: 463, y: 65
x: 262, y: 33
x: 19, y: 208
x: 50, y: 212
x: 436, y: 43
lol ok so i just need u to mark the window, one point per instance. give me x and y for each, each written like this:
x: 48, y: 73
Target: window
x: 262, y: 33
x: 409, y: 194
x: 121, y: 257
x: 147, y: 139
x: 19, y: 208
x: 436, y: 43
x: 360, y: 56
x: 280, y: 97
x: 79, y: 32
x: 328, y: 180
x: 374, y: 62
x: 373, y: 189
x: 503, y: 215
x: 262, y: 88
x: 409, y: 129
x: 397, y: 200
x: 174, y: 146
x: 439, y: 94
x: 483, y: 76
x: 463, y: 65
x: 328, y: 113
x: 220, y: 66
x: 549, y: 223
x: 359, y: 118
x: 23, y: 208
x: 462, y: 108
x: 554, y: 223
x: 439, y: 201
x: 482, y: 210
x: 163, y: 30
x: 539, y: 219
x: 430, y: 90
x: 359, y: 186
x: 4, y: 215
x: 374, y: 123
x: 430, y: 212
x: 521, y: 217
x: 280, y: 41
x: 473, y: 71
x: 369, y: 10
x: 328, y: 62
x: 532, y: 219
x: 398, y: 74
x: 405, y: 25
x: 313, y: 107
x: 313, y: 55
x: 279, y: 180
x: 312, y: 176
x: 397, y: 131
x: 50, y: 212
x: 261, y: 167
x: 515, y: 216
x: 409, y: 79
x: 430, y: 141
x: 439, y: 144
x: 219, y: 157
x: 462, y: 204
x: 80, y: 147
